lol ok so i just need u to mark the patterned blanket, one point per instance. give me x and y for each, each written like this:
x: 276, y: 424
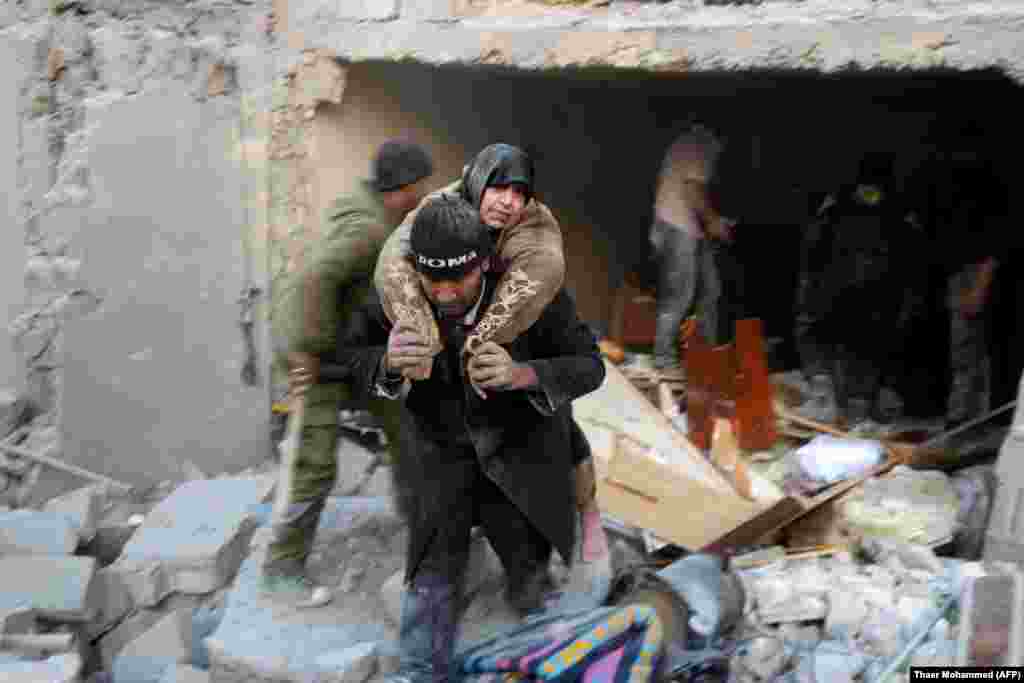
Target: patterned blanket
x: 607, y: 645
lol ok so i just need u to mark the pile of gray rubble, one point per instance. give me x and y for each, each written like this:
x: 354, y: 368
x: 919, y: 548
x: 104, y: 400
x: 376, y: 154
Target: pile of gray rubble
x: 103, y: 584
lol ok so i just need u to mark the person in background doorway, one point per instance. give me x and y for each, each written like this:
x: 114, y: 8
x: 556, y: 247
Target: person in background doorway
x: 687, y: 230
x: 858, y: 296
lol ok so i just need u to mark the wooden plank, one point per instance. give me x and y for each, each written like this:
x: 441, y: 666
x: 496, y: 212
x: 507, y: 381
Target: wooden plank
x: 638, y: 490
x: 755, y: 417
x: 792, y: 508
x: 621, y: 407
x: 761, y: 526
x: 701, y: 393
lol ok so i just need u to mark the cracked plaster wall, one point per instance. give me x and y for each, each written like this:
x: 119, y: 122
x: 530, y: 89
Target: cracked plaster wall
x: 185, y: 97
x: 138, y: 210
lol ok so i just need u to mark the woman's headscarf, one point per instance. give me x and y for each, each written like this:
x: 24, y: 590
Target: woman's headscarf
x: 497, y: 164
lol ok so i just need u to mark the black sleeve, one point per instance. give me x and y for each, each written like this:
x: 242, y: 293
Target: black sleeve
x: 568, y: 362
x: 361, y: 347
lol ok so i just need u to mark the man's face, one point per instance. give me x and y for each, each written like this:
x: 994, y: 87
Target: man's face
x: 454, y: 298
x: 502, y: 205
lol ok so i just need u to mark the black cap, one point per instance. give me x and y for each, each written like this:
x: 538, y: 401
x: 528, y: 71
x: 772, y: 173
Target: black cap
x: 497, y: 164
x: 399, y: 163
x: 448, y: 238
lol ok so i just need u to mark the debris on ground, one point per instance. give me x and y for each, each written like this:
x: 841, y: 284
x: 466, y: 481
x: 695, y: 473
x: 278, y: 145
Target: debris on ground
x: 869, y: 570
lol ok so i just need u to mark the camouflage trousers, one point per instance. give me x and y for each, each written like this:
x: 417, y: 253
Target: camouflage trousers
x: 969, y: 361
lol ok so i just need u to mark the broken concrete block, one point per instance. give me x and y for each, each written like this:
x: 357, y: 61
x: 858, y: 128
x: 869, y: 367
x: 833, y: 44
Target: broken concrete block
x: 391, y: 595
x: 261, y: 641
x: 355, y: 664
x: 108, y: 542
x: 183, y: 673
x: 881, y: 633
x: 764, y: 657
x: 27, y: 532
x: 976, y: 489
x: 149, y: 656
x: 17, y: 621
x: 82, y: 507
x: 57, y: 587
x: 847, y: 612
x: 193, y: 541
x: 111, y: 600
x: 801, y: 634
x: 909, y: 555
x: 12, y: 410
x: 133, y: 627
x: 834, y: 664
x: 205, y: 620
x: 192, y: 471
x: 65, y: 668
x: 379, y: 485
x: 992, y: 621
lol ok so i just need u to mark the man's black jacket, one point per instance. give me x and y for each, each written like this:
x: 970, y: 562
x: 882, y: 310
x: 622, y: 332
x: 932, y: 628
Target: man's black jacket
x: 522, y: 440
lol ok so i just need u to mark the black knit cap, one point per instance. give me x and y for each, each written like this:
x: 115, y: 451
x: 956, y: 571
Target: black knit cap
x: 497, y: 164
x: 448, y: 238
x: 399, y: 163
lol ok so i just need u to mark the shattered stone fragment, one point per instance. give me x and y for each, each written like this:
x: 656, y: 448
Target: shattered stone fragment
x: 82, y: 507
x: 157, y: 649
x: 193, y: 541
x: 65, y: 668
x: 57, y: 587
x: 351, y: 665
x: 12, y: 409
x: 33, y: 531
x: 183, y: 673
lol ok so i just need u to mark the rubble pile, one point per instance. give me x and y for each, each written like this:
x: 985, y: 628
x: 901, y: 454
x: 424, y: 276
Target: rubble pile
x: 107, y: 585
x: 841, y: 619
x: 103, y: 583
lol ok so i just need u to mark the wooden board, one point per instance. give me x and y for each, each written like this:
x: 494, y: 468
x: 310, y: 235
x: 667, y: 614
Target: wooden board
x: 659, y: 497
x: 619, y: 406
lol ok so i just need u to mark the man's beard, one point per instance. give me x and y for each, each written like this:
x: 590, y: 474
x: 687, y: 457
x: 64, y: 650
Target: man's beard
x: 450, y: 311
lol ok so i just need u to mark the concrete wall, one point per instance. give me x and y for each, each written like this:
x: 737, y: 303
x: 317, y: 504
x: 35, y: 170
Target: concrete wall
x: 12, y: 238
x: 155, y: 371
x: 141, y: 161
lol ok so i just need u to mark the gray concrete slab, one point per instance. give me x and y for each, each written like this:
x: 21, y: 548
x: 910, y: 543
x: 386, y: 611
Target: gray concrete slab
x: 60, y: 669
x: 183, y: 673
x: 152, y: 378
x: 32, y: 531
x: 193, y: 541
x: 135, y: 625
x: 262, y: 640
x: 149, y: 656
x: 82, y: 507
x: 54, y: 586
x: 12, y: 237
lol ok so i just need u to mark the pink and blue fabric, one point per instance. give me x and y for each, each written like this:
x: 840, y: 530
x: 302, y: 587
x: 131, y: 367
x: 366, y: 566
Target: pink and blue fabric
x: 607, y: 645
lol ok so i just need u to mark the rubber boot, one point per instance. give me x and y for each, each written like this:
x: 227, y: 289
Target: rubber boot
x: 426, y: 640
x: 284, y: 574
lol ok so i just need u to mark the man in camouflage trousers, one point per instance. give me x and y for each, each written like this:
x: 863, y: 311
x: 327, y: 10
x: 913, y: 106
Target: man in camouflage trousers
x: 315, y: 305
